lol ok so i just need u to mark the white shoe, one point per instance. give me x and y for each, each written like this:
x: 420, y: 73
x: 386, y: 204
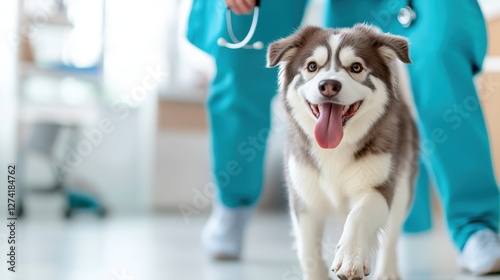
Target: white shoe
x: 481, y: 254
x: 224, y: 231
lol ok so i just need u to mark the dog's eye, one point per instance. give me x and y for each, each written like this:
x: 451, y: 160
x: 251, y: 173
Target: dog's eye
x: 312, y: 67
x: 356, y: 67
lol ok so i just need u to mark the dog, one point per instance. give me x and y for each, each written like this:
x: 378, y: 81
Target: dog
x: 352, y: 144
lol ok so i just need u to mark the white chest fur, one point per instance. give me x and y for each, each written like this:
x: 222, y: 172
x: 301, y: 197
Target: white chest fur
x: 340, y: 180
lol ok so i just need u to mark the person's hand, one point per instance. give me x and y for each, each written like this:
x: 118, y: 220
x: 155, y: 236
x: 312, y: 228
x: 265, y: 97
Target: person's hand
x: 241, y: 6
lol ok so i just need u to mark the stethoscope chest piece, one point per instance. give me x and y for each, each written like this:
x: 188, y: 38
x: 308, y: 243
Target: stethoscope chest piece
x: 406, y: 16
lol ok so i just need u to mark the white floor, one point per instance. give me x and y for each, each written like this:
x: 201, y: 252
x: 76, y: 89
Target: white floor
x: 167, y: 247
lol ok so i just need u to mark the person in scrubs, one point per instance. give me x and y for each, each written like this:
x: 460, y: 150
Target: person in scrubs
x: 448, y: 44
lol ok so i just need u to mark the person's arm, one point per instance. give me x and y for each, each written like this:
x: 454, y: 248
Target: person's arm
x: 241, y: 6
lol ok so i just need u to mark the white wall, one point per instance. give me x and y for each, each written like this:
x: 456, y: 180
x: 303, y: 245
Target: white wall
x: 8, y: 110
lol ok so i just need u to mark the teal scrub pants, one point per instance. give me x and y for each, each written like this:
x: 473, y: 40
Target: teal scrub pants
x: 448, y: 44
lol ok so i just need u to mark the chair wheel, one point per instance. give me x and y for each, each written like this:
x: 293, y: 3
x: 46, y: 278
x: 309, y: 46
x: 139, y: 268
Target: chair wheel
x: 68, y: 213
x: 20, y: 211
x: 102, y: 212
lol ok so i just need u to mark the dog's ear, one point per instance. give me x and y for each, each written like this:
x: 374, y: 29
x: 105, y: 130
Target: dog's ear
x: 390, y: 46
x: 284, y: 49
x: 395, y: 47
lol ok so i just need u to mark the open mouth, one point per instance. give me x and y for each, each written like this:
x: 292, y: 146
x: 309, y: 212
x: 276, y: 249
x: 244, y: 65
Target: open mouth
x: 348, y: 111
x: 330, y: 121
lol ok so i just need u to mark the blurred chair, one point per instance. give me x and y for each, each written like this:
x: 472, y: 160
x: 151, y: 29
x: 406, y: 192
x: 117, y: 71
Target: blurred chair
x: 58, y: 79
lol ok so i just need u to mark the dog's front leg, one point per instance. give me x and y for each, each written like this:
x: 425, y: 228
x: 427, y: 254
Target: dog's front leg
x: 308, y: 229
x: 359, y: 239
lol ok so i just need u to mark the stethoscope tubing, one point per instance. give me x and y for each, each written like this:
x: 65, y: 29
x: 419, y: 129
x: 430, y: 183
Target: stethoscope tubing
x: 237, y: 44
x: 406, y: 17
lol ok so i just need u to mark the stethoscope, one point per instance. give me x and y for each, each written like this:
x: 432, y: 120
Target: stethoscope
x: 237, y: 44
x: 406, y: 17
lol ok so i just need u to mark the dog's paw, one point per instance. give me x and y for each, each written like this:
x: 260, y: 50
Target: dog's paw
x: 350, y: 263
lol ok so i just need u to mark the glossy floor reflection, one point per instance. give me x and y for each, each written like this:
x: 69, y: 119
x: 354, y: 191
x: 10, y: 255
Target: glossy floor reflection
x: 168, y: 247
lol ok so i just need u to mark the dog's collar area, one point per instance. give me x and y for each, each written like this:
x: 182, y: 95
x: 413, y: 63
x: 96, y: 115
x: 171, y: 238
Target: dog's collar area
x: 348, y: 111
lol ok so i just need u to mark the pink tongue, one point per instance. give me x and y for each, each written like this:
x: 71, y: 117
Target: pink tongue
x: 328, y: 129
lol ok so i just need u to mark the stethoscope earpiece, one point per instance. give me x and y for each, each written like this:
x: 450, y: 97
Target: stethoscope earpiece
x: 221, y: 42
x: 258, y: 45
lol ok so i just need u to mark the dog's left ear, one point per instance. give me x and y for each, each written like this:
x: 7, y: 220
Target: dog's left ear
x: 284, y: 49
x: 280, y: 50
x: 395, y: 47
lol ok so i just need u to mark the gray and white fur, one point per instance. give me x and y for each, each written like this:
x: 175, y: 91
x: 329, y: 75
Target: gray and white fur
x: 368, y: 176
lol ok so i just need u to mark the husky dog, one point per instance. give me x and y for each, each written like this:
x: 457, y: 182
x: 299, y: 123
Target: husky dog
x: 352, y: 144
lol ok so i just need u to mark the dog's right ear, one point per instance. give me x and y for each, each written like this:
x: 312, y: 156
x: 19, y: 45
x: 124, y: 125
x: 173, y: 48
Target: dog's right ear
x: 283, y: 49
x: 395, y: 46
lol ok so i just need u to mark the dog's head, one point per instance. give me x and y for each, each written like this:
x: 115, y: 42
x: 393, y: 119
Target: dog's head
x: 337, y: 79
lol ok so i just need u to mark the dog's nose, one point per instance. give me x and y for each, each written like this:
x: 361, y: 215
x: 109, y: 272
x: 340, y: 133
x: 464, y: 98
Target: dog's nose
x: 329, y: 88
